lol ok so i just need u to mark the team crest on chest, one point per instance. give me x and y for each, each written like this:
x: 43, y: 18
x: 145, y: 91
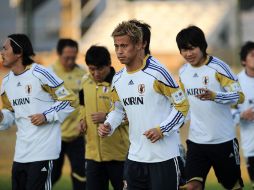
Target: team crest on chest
x: 28, y: 89
x: 105, y: 89
x: 141, y: 88
x: 205, y: 80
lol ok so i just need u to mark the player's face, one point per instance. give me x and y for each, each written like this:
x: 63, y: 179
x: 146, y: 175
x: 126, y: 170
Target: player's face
x: 249, y: 62
x: 68, y: 57
x: 127, y: 52
x: 193, y: 55
x: 99, y: 73
x: 9, y: 58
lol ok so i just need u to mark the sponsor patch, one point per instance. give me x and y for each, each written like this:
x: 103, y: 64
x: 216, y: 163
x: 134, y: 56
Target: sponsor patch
x: 235, y: 87
x: 62, y: 92
x: 178, y: 96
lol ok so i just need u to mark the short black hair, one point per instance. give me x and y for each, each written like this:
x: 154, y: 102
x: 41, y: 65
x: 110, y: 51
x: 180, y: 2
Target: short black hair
x: 191, y: 36
x: 20, y: 43
x: 98, y: 56
x: 246, y: 48
x: 63, y: 42
x: 146, y: 30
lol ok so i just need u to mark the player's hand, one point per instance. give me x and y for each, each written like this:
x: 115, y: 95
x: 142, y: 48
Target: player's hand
x: 104, y: 130
x: 98, y: 117
x: 82, y: 127
x: 37, y: 119
x: 206, y: 95
x: 153, y: 135
x: 248, y: 114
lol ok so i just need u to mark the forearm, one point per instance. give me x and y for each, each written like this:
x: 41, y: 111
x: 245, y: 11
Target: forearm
x: 229, y: 97
x: 173, y: 122
x: 6, y: 119
x: 59, y: 111
x: 115, y: 117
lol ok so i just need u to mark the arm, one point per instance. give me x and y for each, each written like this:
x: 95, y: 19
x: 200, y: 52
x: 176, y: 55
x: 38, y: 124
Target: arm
x: 6, y: 119
x: 82, y: 127
x: 114, y: 118
x: 179, y: 110
x: 232, y: 95
x: 177, y: 115
x: 65, y: 99
x: 235, y: 114
x: 7, y: 113
x: 65, y: 102
x: 167, y: 86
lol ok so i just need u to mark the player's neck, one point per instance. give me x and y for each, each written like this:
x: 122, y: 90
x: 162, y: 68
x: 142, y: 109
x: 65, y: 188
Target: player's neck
x: 135, y: 65
x: 18, y: 68
x: 249, y: 72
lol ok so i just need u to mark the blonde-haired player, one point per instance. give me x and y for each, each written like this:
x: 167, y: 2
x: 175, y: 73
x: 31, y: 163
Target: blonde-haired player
x: 155, y: 106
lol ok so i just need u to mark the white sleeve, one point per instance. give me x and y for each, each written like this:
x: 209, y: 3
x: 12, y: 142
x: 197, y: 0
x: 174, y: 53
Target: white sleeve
x: 236, y: 115
x: 8, y: 119
x: 59, y: 111
x: 115, y: 117
x: 173, y: 122
x: 65, y: 99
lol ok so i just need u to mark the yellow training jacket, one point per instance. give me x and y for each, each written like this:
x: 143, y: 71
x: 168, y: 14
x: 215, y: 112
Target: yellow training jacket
x: 97, y: 99
x: 72, y: 80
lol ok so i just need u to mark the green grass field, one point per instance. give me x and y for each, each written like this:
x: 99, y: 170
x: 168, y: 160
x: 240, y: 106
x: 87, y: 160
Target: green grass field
x: 7, y: 139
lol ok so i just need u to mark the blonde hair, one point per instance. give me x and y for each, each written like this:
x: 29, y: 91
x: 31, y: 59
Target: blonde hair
x: 129, y: 29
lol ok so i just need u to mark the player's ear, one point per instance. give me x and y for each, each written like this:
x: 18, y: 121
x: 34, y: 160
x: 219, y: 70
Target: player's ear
x: 139, y: 45
x: 144, y: 44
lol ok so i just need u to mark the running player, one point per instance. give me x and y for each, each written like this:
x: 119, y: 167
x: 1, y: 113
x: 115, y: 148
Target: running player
x: 156, y: 107
x: 211, y: 88
x: 37, y: 101
x: 245, y: 111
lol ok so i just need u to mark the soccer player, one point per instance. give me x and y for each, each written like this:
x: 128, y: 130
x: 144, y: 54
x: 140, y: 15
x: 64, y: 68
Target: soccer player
x: 73, y: 144
x: 211, y: 88
x: 38, y: 102
x: 146, y: 31
x: 246, y: 110
x: 155, y: 106
x: 104, y: 156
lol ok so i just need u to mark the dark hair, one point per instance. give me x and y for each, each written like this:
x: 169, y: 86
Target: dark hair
x: 191, y: 36
x: 246, y: 48
x: 146, y: 33
x: 20, y: 43
x: 63, y: 42
x: 98, y: 56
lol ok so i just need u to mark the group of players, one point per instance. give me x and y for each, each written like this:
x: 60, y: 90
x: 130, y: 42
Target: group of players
x: 142, y: 101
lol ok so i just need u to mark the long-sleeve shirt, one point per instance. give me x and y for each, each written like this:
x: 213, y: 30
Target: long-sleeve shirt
x: 246, y: 127
x: 151, y: 99
x: 211, y: 122
x: 37, y: 90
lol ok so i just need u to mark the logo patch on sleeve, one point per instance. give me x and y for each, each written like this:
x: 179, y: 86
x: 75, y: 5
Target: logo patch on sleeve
x: 62, y: 92
x: 235, y: 87
x: 178, y: 96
